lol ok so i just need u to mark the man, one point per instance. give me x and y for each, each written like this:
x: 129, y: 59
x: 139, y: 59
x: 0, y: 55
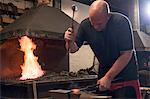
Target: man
x: 110, y: 37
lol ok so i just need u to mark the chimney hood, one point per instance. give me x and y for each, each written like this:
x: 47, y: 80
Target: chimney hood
x: 142, y: 41
x: 41, y: 22
x: 45, y: 26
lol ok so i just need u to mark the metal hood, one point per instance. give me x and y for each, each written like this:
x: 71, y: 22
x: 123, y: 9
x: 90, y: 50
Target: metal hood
x: 42, y: 21
x: 141, y: 39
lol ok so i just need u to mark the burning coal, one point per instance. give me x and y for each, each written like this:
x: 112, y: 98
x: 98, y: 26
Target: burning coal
x: 30, y: 68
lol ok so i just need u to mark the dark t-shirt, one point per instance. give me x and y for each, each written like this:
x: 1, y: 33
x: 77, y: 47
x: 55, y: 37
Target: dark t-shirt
x: 107, y: 44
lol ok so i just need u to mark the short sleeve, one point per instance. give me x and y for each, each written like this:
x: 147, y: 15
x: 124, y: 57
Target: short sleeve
x: 80, y: 38
x: 125, y: 35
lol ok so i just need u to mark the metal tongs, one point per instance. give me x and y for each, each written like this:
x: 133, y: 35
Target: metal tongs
x: 76, y: 90
x: 85, y: 89
x: 90, y: 87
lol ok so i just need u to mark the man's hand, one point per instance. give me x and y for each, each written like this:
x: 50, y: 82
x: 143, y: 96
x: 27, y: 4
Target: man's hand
x: 69, y: 38
x: 104, y: 83
x: 69, y: 35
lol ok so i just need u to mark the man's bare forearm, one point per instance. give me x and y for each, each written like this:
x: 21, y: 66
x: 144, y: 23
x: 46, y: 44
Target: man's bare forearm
x: 119, y: 65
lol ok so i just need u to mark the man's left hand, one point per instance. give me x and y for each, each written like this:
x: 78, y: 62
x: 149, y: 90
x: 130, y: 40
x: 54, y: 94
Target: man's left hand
x: 104, y: 83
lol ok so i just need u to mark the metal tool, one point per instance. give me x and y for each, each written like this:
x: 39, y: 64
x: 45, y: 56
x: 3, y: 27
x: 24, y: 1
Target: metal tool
x: 79, y: 89
x: 74, y: 8
x: 90, y: 87
x: 84, y: 89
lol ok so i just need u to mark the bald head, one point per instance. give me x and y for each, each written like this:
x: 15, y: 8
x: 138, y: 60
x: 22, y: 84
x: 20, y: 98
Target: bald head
x: 99, y: 6
x: 99, y: 14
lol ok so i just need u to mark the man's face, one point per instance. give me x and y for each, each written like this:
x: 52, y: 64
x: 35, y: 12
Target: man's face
x: 99, y: 21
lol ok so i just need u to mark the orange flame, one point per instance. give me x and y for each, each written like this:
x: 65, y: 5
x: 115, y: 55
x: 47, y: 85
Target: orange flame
x: 30, y: 68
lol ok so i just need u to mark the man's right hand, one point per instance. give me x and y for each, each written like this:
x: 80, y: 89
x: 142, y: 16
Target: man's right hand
x: 69, y: 35
x: 69, y: 38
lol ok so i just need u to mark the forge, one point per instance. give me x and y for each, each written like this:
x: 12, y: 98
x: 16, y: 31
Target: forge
x: 45, y: 26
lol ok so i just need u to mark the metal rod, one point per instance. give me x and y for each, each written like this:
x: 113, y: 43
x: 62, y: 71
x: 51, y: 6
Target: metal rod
x: 88, y: 87
x: 74, y: 8
x: 34, y: 90
x: 73, y: 11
